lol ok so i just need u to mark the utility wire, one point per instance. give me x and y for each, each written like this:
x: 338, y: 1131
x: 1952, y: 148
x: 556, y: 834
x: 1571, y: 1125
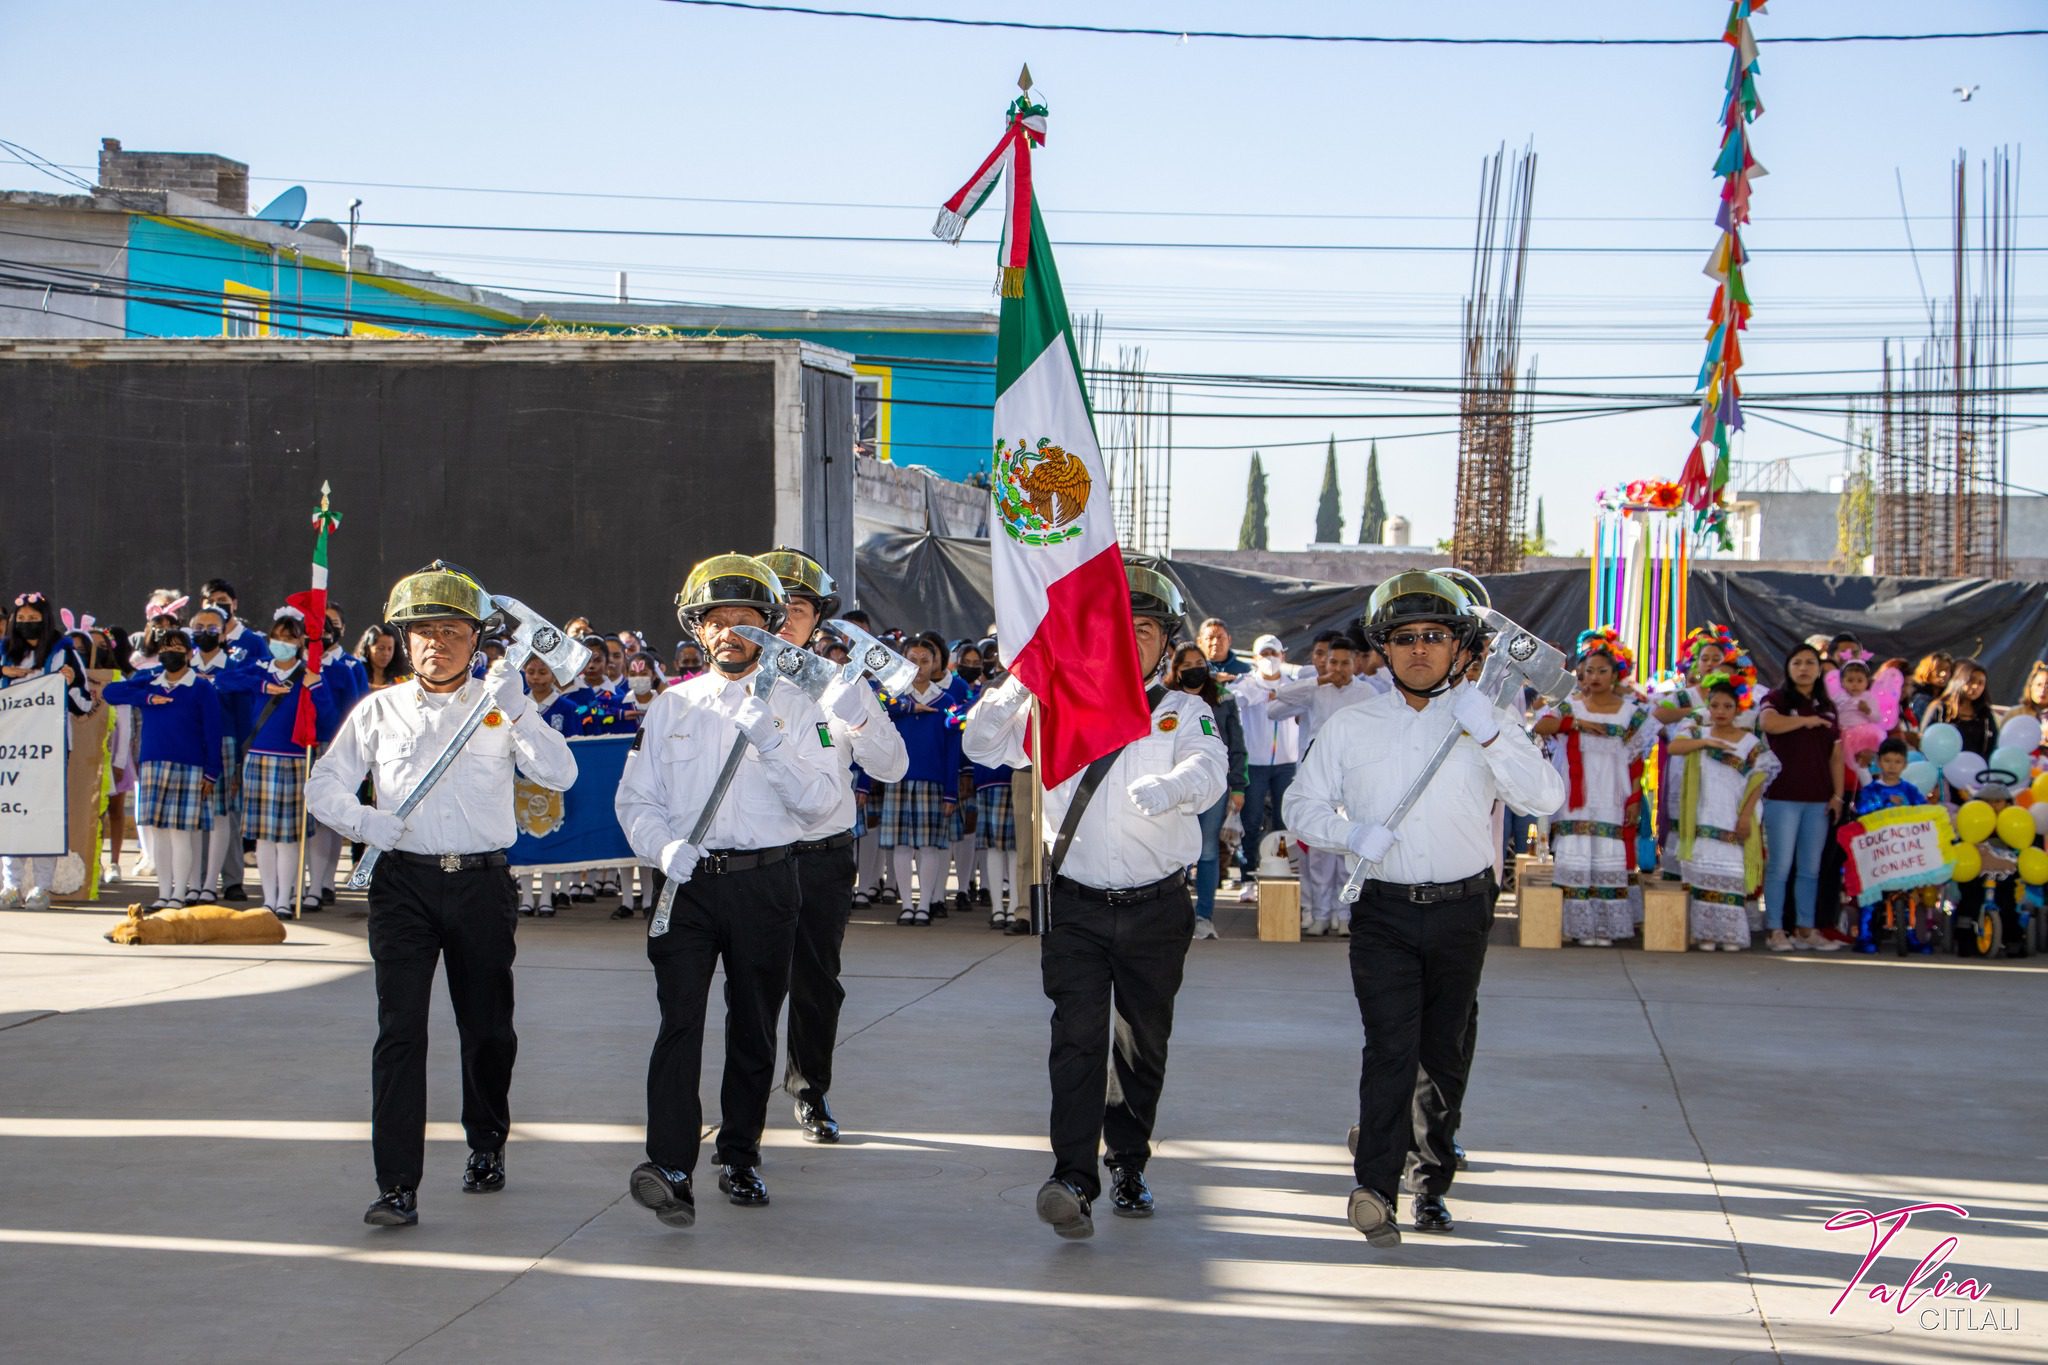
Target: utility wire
x: 1384, y: 40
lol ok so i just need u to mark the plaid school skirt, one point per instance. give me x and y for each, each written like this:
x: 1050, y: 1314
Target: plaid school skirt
x: 914, y: 815
x: 274, y: 798
x: 227, y: 793
x: 168, y: 796
x: 995, y: 818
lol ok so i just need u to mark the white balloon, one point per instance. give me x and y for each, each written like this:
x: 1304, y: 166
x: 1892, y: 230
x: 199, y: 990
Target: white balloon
x: 2020, y: 732
x: 2039, y: 810
x: 1965, y: 770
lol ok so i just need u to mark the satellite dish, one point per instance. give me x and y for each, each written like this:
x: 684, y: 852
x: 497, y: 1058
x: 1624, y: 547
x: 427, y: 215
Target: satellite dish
x: 327, y: 230
x: 287, y: 210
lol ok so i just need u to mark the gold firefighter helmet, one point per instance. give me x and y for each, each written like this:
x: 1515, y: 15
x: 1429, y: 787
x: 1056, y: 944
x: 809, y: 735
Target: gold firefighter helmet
x: 441, y: 591
x: 1474, y: 589
x: 731, y: 580
x: 803, y: 576
x: 1153, y: 594
x: 1419, y: 597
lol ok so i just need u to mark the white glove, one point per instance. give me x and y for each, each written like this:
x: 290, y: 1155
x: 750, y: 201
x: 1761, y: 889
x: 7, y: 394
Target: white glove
x: 381, y: 829
x: 1371, y: 843
x: 849, y: 702
x: 679, y: 859
x: 509, y: 686
x: 1475, y: 713
x: 1150, y: 795
x: 1008, y: 695
x: 757, y: 723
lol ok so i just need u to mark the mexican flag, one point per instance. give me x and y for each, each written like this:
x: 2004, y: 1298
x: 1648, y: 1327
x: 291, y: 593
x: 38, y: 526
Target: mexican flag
x: 1063, y: 608
x: 313, y: 605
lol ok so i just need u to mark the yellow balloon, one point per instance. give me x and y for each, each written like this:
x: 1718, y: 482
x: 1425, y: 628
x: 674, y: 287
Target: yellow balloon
x: 2033, y: 866
x: 2040, y: 787
x: 1969, y: 863
x: 1976, y: 821
x: 2016, y: 827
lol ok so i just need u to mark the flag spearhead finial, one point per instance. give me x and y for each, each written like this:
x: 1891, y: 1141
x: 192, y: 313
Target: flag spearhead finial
x: 1024, y: 77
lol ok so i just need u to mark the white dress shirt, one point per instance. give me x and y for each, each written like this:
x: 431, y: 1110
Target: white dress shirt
x: 1311, y: 703
x: 876, y: 744
x: 396, y: 734
x: 1268, y: 741
x: 775, y: 798
x: 1117, y: 846
x: 1370, y: 753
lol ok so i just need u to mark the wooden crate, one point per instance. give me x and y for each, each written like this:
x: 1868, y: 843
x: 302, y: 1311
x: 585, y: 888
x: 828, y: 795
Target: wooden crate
x: 1664, y: 906
x: 1279, y: 910
x: 1540, y: 906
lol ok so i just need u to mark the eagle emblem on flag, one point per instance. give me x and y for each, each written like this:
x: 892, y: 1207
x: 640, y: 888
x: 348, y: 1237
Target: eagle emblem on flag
x: 1040, y: 491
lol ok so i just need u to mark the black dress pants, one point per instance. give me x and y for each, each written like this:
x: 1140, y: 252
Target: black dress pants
x: 747, y: 920
x: 825, y: 882
x: 419, y: 914
x: 1098, y: 958
x: 1415, y: 970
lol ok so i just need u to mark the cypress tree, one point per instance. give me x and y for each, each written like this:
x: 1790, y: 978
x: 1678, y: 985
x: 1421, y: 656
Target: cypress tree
x: 1251, y: 535
x: 1373, y: 524
x: 1329, y: 516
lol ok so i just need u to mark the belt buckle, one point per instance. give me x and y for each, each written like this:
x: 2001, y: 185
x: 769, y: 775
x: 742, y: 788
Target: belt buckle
x: 451, y: 862
x: 714, y: 863
x: 1424, y: 893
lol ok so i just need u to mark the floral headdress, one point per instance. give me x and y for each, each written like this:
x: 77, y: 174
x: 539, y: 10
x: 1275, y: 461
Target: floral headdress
x: 1736, y: 665
x: 1606, y: 640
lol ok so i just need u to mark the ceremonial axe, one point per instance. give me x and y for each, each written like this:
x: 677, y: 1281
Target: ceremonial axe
x: 780, y: 660
x: 533, y: 636
x: 892, y: 672
x: 1517, y: 658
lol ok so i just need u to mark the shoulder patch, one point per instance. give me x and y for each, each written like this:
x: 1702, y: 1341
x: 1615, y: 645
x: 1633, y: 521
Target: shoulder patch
x: 1168, y: 722
x: 637, y: 738
x: 824, y: 735
x: 1207, y: 727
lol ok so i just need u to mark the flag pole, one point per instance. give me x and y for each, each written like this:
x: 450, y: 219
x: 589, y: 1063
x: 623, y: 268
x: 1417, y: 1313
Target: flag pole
x: 299, y: 885
x: 316, y: 603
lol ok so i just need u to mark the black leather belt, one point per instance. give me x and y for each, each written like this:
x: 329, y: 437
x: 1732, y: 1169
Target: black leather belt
x: 1432, y: 893
x: 1129, y: 895
x: 716, y: 862
x: 840, y: 840
x: 449, y: 862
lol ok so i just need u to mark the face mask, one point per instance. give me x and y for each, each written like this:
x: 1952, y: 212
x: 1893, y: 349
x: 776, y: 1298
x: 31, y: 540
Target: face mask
x: 968, y: 673
x: 30, y: 630
x: 330, y: 636
x: 207, y: 640
x: 173, y: 660
x: 641, y: 684
x: 284, y: 650
x: 1194, y: 678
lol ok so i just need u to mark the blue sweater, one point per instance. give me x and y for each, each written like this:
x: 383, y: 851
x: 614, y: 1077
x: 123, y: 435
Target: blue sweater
x: 589, y: 711
x: 933, y: 740
x: 185, y: 728
x: 244, y: 687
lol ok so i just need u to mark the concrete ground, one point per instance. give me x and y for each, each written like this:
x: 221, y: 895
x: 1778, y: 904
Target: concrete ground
x: 1656, y: 1143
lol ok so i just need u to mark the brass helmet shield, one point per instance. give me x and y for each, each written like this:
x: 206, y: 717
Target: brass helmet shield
x: 1153, y: 594
x: 436, y: 593
x: 731, y: 580
x: 1474, y: 589
x: 803, y: 576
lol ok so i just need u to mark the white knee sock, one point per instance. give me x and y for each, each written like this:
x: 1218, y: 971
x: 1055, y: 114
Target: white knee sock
x: 271, y: 874
x: 145, y: 838
x: 181, y: 850
x: 159, y: 850
x: 996, y: 874
x: 901, y: 860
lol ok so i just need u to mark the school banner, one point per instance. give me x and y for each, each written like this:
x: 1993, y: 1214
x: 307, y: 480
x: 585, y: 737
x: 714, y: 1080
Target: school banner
x: 578, y: 828
x: 32, y: 814
x: 1896, y: 850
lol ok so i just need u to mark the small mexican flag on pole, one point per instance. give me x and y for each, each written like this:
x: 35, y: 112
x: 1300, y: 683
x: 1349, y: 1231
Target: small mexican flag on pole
x: 1063, y: 607
x: 313, y: 603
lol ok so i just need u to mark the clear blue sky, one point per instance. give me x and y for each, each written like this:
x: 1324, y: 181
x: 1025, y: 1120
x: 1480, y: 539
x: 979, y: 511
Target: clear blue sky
x: 1151, y: 140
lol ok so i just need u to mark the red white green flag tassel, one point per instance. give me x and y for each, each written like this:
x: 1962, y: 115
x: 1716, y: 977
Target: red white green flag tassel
x: 1010, y: 164
x: 1720, y: 413
x: 312, y: 603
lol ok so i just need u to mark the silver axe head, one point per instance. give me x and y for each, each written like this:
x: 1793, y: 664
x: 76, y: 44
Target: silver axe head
x: 892, y: 672
x: 533, y: 635
x: 1520, y: 654
x: 809, y: 673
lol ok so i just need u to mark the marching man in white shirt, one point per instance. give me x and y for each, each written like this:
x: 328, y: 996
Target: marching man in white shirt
x: 442, y: 887
x: 1120, y: 920
x: 1418, y: 933
x: 738, y: 891
x: 861, y: 733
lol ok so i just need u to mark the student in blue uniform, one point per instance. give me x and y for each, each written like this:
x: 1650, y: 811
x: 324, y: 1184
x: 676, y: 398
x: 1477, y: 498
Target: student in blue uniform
x: 920, y: 814
x: 213, y: 660
x: 274, y: 768
x: 181, y: 749
x: 244, y: 645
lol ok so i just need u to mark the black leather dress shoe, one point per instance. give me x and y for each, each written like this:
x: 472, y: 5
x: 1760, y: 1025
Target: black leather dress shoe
x: 742, y: 1185
x: 1373, y: 1215
x: 666, y: 1191
x: 326, y: 899
x: 1063, y: 1208
x: 814, y: 1116
x: 1129, y: 1196
x: 395, y: 1208
x: 1431, y: 1214
x: 236, y: 893
x: 485, y: 1173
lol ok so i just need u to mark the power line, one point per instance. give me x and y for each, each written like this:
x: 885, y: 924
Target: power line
x: 1384, y: 40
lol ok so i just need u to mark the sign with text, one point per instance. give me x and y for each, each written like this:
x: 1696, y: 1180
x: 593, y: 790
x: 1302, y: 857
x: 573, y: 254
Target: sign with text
x: 32, y: 814
x: 1896, y: 850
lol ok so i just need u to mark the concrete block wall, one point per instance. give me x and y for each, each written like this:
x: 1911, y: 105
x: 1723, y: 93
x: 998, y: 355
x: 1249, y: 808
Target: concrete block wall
x: 218, y: 180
